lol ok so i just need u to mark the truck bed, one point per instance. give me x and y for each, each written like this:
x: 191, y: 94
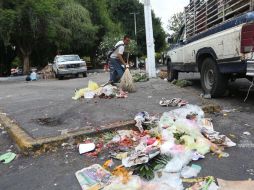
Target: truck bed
x: 202, y: 15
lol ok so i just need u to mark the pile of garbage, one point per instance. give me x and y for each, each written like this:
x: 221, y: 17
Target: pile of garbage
x: 182, y: 83
x: 47, y: 72
x: 158, y: 154
x: 94, y: 90
x: 140, y: 77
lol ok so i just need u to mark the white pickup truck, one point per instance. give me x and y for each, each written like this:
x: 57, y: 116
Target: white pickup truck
x: 217, y: 40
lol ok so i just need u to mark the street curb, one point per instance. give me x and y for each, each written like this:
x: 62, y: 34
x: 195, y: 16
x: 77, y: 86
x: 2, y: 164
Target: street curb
x: 20, y: 137
x: 28, y: 144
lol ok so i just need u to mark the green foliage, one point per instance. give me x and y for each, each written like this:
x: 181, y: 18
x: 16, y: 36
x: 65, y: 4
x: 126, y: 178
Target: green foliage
x: 109, y: 42
x: 147, y: 170
x: 120, y: 12
x: 108, y: 136
x: 16, y: 62
x: 38, y: 29
x: 77, y: 29
x: 7, y: 19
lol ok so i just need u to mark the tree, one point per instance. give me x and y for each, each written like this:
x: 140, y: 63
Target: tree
x: 175, y: 23
x: 120, y: 11
x: 65, y: 24
x: 101, y: 18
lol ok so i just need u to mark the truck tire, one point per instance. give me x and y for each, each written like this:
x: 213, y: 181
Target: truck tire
x: 172, y: 74
x: 213, y: 82
x: 59, y: 77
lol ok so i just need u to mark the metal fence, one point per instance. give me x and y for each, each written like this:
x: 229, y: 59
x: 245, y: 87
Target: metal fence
x: 201, y: 15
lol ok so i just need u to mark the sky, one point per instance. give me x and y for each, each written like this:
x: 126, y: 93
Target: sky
x: 164, y: 9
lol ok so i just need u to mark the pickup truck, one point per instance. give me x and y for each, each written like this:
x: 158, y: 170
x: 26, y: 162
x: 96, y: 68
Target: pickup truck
x: 217, y: 40
x: 65, y: 65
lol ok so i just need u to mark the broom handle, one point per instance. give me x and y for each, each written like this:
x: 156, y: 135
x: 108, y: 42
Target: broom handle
x: 128, y: 55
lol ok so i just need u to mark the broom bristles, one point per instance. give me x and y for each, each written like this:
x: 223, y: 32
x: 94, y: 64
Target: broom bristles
x: 126, y: 83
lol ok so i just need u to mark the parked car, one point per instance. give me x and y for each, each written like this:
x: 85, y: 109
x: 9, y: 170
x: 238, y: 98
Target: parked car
x: 17, y: 71
x: 69, y: 65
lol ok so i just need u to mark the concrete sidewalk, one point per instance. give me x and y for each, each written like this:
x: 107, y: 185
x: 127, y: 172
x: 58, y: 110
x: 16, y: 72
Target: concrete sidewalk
x: 44, y: 109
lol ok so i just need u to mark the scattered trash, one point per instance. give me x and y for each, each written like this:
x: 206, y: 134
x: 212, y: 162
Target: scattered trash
x: 122, y: 173
x: 211, y: 108
x: 247, y: 133
x: 190, y: 171
x: 182, y: 83
x: 229, y: 111
x: 94, y: 177
x: 134, y: 183
x: 96, y: 151
x: 108, y: 91
x: 178, y: 162
x: 140, y: 156
x: 159, y: 152
x: 93, y: 90
x: 235, y: 185
x: 122, y: 94
x: 163, y: 74
x: 173, y: 102
x: 108, y: 164
x: 89, y: 95
x: 196, y: 156
x: 7, y: 157
x: 140, y: 77
x: 206, y: 96
x: 216, y: 138
x: 84, y: 148
x: 207, y: 183
x: 47, y: 72
x: 140, y: 118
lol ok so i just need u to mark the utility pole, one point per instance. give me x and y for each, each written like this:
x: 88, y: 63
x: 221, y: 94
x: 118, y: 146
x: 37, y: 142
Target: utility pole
x: 136, y: 35
x: 150, y: 64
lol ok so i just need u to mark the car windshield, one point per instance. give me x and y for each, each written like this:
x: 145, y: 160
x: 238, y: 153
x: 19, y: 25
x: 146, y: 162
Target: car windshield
x: 68, y: 58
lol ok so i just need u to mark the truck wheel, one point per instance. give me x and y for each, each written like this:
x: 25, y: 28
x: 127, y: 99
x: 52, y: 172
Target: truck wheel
x: 213, y: 82
x: 59, y: 77
x: 172, y: 74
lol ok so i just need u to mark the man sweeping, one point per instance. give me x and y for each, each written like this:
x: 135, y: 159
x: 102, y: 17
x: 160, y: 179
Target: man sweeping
x: 116, y: 61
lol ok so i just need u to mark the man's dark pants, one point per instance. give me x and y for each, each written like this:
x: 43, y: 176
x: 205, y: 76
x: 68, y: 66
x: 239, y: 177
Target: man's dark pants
x: 116, y: 70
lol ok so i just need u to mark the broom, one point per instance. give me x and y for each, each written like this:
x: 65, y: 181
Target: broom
x: 126, y: 83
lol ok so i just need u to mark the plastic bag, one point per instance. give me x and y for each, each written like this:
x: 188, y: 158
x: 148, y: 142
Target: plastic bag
x: 89, y: 95
x: 167, y: 181
x: 78, y: 94
x: 190, y: 171
x: 93, y: 85
x: 178, y: 162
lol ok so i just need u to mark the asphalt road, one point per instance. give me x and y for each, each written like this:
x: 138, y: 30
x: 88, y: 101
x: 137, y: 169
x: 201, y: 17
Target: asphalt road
x: 55, y: 170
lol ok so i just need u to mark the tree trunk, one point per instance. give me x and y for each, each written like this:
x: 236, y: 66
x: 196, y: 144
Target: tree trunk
x: 26, y: 64
x: 26, y: 61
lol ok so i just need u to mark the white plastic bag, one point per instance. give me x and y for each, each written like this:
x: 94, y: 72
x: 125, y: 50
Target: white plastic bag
x: 190, y: 171
x: 178, y: 162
